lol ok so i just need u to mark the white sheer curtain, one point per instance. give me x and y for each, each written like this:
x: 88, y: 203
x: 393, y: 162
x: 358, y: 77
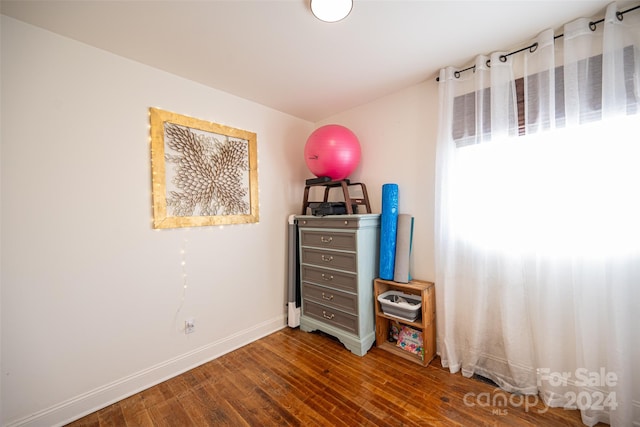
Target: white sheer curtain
x: 538, y: 219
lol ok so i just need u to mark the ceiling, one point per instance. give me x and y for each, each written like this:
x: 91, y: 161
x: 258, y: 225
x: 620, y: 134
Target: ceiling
x: 276, y: 53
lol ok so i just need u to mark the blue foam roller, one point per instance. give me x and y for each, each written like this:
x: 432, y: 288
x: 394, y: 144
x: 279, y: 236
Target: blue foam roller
x: 388, y: 230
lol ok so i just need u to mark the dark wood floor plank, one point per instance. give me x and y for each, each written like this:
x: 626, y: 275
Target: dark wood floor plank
x: 218, y: 410
x: 360, y: 385
x: 269, y: 390
x: 241, y: 393
x: 169, y: 413
x: 111, y: 415
x: 306, y: 377
x: 201, y: 413
x: 132, y: 404
x: 138, y: 419
x: 309, y: 379
x: 303, y: 395
x: 274, y: 385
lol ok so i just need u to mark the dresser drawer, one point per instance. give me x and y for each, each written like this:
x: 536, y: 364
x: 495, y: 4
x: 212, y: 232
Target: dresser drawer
x: 331, y: 298
x: 326, y: 239
x: 340, y: 222
x: 335, y: 279
x: 336, y: 318
x: 340, y: 260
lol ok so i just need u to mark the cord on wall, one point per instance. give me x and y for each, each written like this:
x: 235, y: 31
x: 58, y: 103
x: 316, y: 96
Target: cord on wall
x: 183, y: 267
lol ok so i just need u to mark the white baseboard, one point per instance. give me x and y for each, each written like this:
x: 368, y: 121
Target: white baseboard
x: 101, y: 397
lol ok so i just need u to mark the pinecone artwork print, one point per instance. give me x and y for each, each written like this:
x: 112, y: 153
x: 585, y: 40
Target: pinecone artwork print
x: 202, y: 173
x: 209, y: 173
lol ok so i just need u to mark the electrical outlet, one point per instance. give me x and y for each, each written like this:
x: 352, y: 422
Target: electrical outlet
x: 189, y: 326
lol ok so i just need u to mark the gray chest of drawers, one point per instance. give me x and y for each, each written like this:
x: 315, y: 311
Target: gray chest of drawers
x: 338, y: 262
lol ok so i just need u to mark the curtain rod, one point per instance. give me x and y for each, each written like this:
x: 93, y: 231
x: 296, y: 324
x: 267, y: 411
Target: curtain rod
x: 532, y: 48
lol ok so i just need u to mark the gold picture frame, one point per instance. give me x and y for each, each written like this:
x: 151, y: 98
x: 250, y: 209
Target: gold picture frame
x: 203, y: 173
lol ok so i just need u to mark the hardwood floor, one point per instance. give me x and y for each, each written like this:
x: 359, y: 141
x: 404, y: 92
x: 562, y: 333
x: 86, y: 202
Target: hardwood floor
x: 309, y: 379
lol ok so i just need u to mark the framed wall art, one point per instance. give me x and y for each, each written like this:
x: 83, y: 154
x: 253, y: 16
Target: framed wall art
x: 203, y: 173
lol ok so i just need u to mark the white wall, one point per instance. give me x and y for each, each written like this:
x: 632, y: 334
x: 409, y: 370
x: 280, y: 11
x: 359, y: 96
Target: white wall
x: 397, y: 135
x: 92, y: 297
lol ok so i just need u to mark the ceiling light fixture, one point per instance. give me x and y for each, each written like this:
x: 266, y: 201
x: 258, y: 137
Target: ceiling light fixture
x: 331, y: 10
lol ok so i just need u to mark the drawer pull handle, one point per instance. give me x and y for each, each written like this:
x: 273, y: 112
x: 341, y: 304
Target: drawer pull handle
x: 325, y: 239
x: 328, y: 316
x: 327, y: 277
x: 327, y: 258
x: 328, y: 298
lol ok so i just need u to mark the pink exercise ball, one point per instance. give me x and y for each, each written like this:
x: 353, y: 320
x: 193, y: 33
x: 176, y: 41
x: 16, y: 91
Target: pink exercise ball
x: 332, y: 151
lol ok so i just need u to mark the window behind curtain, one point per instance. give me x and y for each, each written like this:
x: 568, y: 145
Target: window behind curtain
x: 464, y: 107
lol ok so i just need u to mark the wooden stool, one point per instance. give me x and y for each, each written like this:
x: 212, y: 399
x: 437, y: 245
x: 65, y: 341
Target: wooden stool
x: 344, y: 184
